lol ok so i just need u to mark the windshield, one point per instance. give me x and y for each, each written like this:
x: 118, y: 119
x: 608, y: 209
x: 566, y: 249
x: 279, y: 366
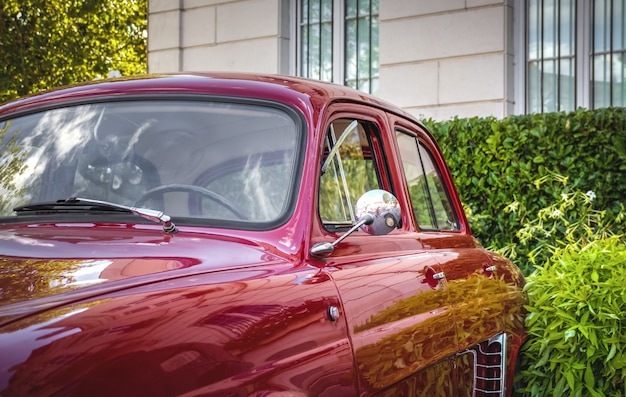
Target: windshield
x: 194, y: 159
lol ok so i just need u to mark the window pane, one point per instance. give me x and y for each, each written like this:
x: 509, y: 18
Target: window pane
x: 446, y: 219
x: 375, y: 7
x: 314, y: 51
x: 548, y: 26
x: 364, y: 7
x: 619, y: 85
x: 617, y: 14
x: 361, y: 44
x: 567, y: 30
x: 351, y: 172
x: 350, y: 53
x: 326, y: 72
x: 316, y: 39
x: 534, y: 44
x: 601, y: 90
x: 600, y: 31
x: 549, y: 86
x: 567, y: 88
x: 416, y: 181
x: 364, y: 48
x: 304, y: 10
x: 608, y: 53
x: 429, y: 199
x: 327, y: 11
x: 374, y: 55
x: 351, y: 8
x: 551, y: 57
x: 534, y: 82
x: 314, y: 10
x: 304, y: 51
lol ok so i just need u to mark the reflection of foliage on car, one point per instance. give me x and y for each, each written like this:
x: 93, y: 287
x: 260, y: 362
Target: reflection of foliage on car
x: 11, y: 165
x: 495, y: 306
x: 22, y: 280
x: 360, y: 177
x: 257, y: 324
x: 431, y: 382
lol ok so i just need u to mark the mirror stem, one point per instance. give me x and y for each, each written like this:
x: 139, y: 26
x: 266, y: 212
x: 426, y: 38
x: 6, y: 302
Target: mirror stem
x: 326, y: 249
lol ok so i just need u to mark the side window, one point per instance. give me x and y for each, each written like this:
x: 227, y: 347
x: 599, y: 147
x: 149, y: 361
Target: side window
x: 348, y: 170
x: 429, y: 197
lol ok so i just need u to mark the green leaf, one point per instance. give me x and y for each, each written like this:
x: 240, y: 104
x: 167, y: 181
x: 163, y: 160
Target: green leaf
x: 538, y: 159
x: 589, y: 378
x: 611, y: 353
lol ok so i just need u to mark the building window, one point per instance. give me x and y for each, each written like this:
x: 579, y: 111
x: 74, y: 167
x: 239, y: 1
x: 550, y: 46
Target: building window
x: 609, y: 53
x: 338, y: 41
x: 316, y: 39
x: 551, y: 73
x: 361, y: 43
x: 575, y: 53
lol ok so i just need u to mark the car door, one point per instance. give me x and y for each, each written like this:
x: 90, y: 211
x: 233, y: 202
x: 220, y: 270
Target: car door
x: 255, y: 331
x: 396, y: 308
x: 477, y: 283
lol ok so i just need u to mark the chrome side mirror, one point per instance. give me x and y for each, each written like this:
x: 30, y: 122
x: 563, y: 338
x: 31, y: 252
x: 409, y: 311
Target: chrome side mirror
x: 383, y: 207
x: 377, y: 212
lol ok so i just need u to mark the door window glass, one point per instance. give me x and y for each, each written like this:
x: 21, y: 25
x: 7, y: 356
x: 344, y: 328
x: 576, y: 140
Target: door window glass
x: 429, y: 197
x: 348, y: 170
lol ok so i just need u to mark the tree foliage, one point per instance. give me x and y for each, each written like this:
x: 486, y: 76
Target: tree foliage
x: 49, y: 43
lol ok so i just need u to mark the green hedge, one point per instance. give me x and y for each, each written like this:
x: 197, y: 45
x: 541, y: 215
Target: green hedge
x: 496, y: 163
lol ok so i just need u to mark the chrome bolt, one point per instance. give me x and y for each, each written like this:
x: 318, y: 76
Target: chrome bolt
x: 333, y: 313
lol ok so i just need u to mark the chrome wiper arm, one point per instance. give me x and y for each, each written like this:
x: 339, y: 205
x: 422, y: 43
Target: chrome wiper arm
x: 85, y: 204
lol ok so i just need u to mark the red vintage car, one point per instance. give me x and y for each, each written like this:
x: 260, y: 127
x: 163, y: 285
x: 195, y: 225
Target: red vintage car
x: 240, y: 235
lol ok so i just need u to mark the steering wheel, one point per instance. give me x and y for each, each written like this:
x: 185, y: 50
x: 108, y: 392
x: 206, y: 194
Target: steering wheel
x: 218, y: 198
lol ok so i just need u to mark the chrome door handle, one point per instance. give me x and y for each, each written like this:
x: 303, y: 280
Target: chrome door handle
x: 439, y: 276
x: 433, y: 279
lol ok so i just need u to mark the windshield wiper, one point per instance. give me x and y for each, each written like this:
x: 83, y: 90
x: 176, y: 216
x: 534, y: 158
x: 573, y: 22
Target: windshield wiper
x: 76, y: 204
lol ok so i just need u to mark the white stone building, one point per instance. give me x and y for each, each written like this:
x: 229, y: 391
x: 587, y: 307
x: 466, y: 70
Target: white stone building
x: 434, y: 58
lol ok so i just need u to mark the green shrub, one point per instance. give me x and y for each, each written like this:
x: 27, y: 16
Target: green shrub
x: 496, y: 163
x: 577, y: 323
x: 576, y: 319
x: 570, y: 219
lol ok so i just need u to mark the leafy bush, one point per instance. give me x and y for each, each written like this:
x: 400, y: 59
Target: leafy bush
x: 496, y: 163
x: 576, y: 323
x: 570, y: 220
x: 576, y: 319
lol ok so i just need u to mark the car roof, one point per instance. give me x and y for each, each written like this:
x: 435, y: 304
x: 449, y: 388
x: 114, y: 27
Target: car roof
x: 309, y: 93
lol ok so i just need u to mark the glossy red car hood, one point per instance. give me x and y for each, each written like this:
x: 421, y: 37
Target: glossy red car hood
x: 46, y: 265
